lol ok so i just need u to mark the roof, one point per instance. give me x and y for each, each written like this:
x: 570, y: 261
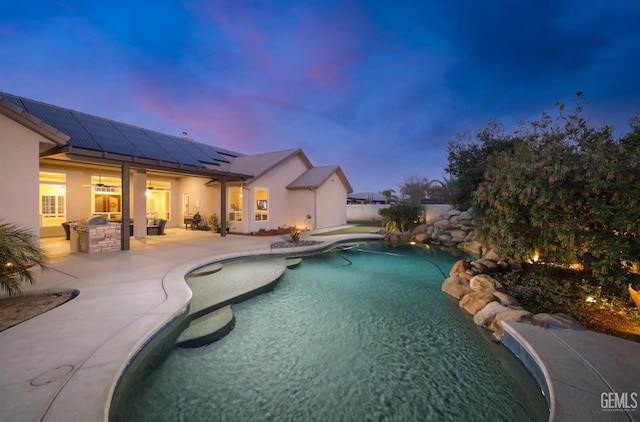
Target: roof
x: 21, y: 116
x: 367, y: 196
x: 259, y: 164
x: 92, y: 133
x: 316, y: 176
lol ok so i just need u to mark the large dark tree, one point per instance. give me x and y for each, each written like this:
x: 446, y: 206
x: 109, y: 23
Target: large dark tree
x: 468, y: 157
x: 568, y: 192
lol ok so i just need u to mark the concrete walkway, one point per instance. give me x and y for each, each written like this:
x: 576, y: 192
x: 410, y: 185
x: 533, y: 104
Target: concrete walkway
x: 64, y: 365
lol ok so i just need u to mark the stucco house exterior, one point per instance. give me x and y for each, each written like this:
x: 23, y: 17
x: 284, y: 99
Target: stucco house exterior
x: 63, y: 165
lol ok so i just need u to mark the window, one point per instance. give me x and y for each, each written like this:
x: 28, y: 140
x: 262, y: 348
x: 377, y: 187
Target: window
x: 52, y: 198
x: 262, y: 204
x: 106, y: 197
x: 158, y: 200
x: 235, y: 204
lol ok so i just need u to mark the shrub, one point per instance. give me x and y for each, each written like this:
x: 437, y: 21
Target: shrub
x: 19, y: 251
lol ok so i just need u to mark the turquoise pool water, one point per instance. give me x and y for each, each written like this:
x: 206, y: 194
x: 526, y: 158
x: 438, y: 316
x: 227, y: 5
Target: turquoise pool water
x: 352, y: 336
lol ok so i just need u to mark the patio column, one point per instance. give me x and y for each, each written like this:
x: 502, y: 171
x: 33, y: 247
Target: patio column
x: 126, y: 218
x: 223, y: 207
x: 140, y: 204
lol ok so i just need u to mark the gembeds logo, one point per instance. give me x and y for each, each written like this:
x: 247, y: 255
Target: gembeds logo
x: 619, y: 401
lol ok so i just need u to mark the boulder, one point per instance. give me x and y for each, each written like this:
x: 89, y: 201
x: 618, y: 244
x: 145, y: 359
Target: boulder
x: 452, y: 213
x: 474, y: 301
x: 421, y: 238
x: 517, y: 315
x: 485, y: 283
x: 458, y: 236
x: 505, y: 299
x: 492, y: 254
x: 490, y: 264
x: 560, y: 321
x: 422, y: 228
x: 444, y: 237
x: 456, y: 287
x: 442, y: 224
x: 459, y: 266
x: 465, y: 274
x: 485, y: 316
x: 472, y: 247
x: 435, y: 233
x: 465, y: 215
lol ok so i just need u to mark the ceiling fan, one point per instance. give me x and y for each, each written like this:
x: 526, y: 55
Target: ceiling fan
x: 151, y: 187
x: 100, y: 184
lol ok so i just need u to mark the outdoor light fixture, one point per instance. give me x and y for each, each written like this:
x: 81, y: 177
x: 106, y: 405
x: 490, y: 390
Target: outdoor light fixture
x: 536, y: 256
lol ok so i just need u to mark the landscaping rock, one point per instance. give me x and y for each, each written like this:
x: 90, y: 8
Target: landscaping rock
x: 456, y: 287
x: 458, y: 236
x: 516, y: 315
x: 465, y: 216
x: 486, y: 315
x: 490, y: 264
x: 484, y: 282
x: 561, y: 321
x: 472, y: 246
x: 466, y: 275
x: 421, y: 238
x: 442, y: 224
x: 492, y: 254
x: 505, y: 299
x: 459, y: 266
x: 474, y: 301
x: 422, y: 228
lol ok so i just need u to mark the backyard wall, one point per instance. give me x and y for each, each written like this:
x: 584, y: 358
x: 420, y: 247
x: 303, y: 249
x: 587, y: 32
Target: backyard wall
x: 358, y: 213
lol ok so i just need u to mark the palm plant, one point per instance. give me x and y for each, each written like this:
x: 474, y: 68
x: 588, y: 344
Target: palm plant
x: 389, y: 195
x: 19, y: 251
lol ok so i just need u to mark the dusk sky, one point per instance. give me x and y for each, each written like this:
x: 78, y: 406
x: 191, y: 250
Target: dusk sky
x: 377, y: 87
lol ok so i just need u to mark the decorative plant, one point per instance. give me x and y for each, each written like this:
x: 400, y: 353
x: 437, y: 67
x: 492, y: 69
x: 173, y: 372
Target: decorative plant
x: 295, y: 236
x: 19, y: 251
x: 212, y: 220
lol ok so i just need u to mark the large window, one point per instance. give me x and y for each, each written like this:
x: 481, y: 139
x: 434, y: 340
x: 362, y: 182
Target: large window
x: 52, y: 198
x: 262, y: 204
x: 158, y: 200
x: 106, y: 197
x: 235, y: 204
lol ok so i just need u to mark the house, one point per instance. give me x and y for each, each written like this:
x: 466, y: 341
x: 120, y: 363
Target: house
x: 63, y: 165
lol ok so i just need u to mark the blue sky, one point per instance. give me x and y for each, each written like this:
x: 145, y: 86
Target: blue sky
x: 377, y: 87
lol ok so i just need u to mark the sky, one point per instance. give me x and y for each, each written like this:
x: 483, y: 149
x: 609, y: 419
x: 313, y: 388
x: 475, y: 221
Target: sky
x: 378, y: 87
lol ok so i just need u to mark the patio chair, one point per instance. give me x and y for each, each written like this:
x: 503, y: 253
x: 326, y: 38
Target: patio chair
x: 156, y: 227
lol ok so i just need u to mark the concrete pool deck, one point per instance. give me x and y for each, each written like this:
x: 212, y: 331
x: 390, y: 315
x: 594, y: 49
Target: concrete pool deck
x: 64, y: 364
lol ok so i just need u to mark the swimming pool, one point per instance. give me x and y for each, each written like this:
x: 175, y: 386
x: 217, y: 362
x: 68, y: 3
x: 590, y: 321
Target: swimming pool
x: 364, y: 334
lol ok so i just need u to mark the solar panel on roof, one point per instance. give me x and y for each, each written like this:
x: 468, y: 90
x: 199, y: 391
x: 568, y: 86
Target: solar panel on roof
x: 13, y: 100
x: 173, y: 149
x: 106, y: 135
x: 100, y: 134
x: 198, y: 150
x: 209, y: 151
x: 63, y: 120
x: 143, y: 142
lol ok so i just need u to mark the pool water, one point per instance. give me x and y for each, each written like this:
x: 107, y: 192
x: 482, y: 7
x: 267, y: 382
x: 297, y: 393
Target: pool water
x: 352, y: 336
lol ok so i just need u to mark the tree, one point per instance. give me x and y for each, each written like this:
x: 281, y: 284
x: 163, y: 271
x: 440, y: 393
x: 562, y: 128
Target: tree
x: 19, y: 251
x: 403, y: 216
x: 389, y: 195
x: 444, y: 190
x: 468, y: 159
x: 414, y: 189
x: 566, y: 191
